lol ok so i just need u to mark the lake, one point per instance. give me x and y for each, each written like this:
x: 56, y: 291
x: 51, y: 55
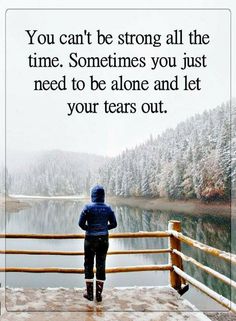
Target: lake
x: 61, y: 216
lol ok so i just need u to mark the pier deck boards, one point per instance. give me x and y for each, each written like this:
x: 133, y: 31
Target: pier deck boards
x: 126, y: 304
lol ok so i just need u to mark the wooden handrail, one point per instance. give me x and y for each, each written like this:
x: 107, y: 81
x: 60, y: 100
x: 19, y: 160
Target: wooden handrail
x: 214, y: 295
x: 206, y: 248
x: 138, y: 268
x: 206, y: 268
x: 81, y: 235
x: 177, y: 276
x: 41, y: 252
x: 178, y: 269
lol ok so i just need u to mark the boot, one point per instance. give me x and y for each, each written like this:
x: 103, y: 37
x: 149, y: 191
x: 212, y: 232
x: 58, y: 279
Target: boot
x: 99, y: 288
x: 88, y: 293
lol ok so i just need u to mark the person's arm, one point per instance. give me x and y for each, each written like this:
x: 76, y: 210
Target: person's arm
x: 83, y: 219
x: 112, y: 221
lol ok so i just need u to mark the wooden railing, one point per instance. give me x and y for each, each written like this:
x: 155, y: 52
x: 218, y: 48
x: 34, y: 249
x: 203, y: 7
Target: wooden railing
x: 161, y: 267
x: 177, y: 277
x: 180, y: 275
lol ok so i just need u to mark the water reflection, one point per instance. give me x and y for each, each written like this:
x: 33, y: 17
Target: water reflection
x: 62, y: 217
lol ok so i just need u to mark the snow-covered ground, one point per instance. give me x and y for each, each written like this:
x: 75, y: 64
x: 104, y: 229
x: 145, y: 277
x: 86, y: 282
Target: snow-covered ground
x: 130, y: 303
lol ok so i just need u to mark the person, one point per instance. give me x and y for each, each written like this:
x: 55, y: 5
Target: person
x: 96, y: 219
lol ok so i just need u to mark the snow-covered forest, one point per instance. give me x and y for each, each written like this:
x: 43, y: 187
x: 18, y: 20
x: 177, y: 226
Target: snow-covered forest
x: 51, y: 173
x: 190, y: 161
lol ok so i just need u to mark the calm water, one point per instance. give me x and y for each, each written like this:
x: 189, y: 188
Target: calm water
x: 47, y: 216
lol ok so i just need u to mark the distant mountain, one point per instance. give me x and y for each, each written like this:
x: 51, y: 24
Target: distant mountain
x: 52, y: 173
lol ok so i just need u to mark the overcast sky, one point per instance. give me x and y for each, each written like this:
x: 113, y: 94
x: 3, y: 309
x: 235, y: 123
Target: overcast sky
x: 39, y: 121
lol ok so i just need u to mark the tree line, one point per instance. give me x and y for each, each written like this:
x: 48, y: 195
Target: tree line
x: 190, y: 161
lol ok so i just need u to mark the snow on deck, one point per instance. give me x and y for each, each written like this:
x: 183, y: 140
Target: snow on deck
x: 131, y: 303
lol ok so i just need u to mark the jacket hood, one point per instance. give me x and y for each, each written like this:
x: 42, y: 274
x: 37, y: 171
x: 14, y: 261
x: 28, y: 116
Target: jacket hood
x: 98, y: 194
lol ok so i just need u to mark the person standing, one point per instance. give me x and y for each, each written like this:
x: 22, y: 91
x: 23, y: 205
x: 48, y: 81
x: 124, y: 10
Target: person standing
x: 96, y: 218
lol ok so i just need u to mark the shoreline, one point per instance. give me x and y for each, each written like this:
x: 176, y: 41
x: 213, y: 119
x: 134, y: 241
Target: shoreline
x: 191, y: 207
x: 12, y: 205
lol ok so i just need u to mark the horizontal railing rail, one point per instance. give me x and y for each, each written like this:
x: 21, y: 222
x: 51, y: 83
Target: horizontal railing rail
x: 41, y: 252
x: 206, y: 248
x: 205, y: 268
x: 214, y: 295
x: 81, y: 235
x: 137, y: 268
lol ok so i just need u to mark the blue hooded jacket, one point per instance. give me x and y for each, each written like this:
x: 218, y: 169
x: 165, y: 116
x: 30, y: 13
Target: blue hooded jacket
x: 97, y: 217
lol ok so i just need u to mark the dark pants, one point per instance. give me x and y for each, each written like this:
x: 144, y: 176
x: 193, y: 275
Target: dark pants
x: 95, y: 246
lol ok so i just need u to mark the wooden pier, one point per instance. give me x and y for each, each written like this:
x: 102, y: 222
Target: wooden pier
x: 124, y: 304
x: 165, y: 300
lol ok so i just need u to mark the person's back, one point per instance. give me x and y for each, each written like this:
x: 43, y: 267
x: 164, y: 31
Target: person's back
x: 96, y: 219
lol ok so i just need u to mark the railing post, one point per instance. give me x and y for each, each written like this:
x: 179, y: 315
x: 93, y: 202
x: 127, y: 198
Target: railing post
x: 174, y: 259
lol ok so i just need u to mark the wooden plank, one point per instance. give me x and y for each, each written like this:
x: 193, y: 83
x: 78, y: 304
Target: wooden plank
x: 81, y: 235
x: 217, y: 297
x: 41, y: 252
x: 206, y: 269
x: 206, y: 248
x: 139, y: 268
